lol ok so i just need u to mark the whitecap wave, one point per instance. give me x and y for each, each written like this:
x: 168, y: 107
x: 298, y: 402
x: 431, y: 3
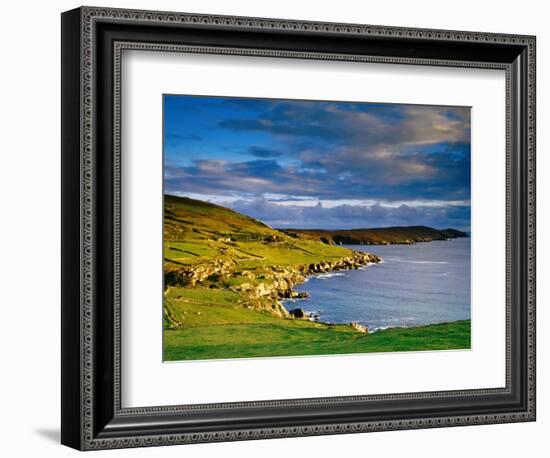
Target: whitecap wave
x: 383, y: 328
x: 419, y: 262
x: 368, y: 264
x: 328, y: 275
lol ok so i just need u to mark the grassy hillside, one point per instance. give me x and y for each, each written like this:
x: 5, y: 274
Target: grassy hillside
x: 377, y: 236
x: 214, y: 248
x: 226, y: 274
x: 196, y: 232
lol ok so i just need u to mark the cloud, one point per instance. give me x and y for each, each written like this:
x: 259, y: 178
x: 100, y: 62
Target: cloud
x: 389, y: 145
x: 331, y: 177
x: 353, y: 216
x: 327, y: 151
x: 373, y: 125
x: 253, y: 178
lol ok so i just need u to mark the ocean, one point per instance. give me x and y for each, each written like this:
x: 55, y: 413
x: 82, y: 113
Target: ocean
x: 418, y: 284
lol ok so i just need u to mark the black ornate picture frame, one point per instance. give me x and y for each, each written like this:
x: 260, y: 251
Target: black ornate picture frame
x: 92, y: 42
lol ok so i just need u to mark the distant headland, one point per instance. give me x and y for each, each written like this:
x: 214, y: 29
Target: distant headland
x: 404, y: 235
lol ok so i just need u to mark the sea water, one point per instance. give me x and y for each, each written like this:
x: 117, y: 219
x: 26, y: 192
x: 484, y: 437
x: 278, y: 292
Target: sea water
x: 418, y: 284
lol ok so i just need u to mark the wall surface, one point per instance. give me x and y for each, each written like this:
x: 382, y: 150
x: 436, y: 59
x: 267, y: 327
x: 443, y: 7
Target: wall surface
x: 29, y: 254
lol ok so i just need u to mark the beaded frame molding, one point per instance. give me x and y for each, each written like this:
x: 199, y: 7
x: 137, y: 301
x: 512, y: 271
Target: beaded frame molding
x: 93, y: 40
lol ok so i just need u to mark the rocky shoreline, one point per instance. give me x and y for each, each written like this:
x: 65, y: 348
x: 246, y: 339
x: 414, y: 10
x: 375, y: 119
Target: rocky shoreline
x: 263, y: 292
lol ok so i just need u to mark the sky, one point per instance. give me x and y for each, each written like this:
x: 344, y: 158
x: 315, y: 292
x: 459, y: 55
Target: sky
x: 321, y: 164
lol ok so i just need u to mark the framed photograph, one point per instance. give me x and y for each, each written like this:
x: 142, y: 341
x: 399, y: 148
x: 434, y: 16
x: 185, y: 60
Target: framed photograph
x: 276, y: 228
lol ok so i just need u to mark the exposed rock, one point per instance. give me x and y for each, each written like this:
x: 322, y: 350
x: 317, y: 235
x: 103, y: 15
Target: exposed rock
x: 193, y: 274
x: 276, y: 282
x: 298, y: 313
x: 359, y: 327
x: 314, y: 317
x: 280, y: 281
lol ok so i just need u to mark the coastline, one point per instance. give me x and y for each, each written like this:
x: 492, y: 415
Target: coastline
x: 278, y: 287
x: 356, y: 261
x: 258, y: 332
x: 397, y: 235
x: 226, y: 276
x: 414, y: 286
x: 277, y: 282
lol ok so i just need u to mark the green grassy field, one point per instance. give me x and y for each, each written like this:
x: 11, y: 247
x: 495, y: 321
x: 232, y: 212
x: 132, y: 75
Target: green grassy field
x: 217, y: 327
x: 224, y: 276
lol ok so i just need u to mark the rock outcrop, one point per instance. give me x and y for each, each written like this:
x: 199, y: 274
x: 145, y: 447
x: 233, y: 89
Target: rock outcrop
x: 195, y: 274
x: 358, y: 259
x: 298, y: 313
x: 265, y: 293
x: 359, y: 327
